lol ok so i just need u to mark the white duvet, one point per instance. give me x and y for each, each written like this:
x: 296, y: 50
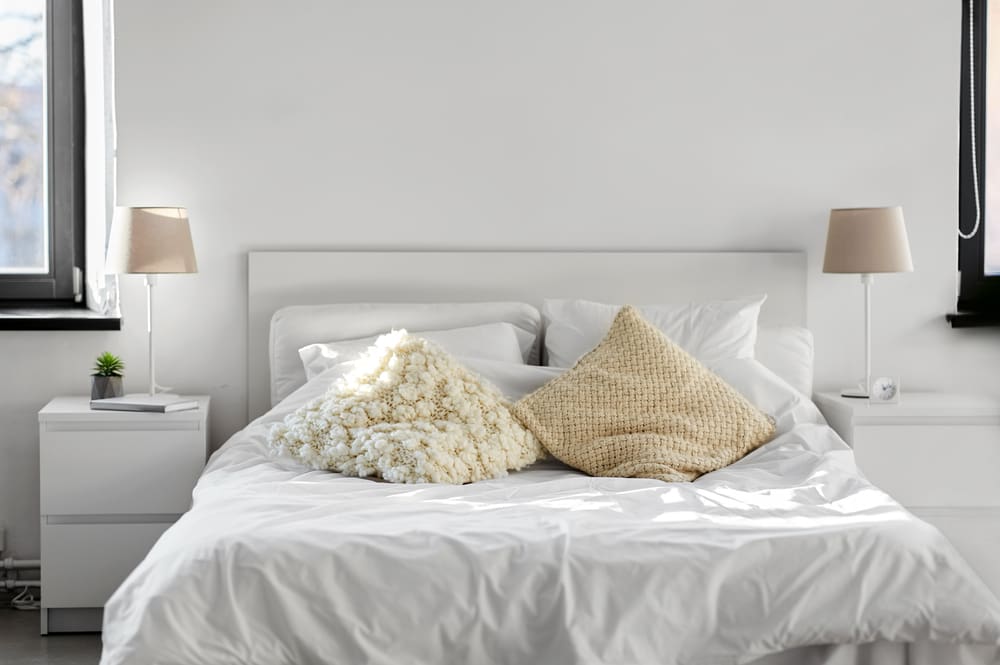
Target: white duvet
x: 788, y: 547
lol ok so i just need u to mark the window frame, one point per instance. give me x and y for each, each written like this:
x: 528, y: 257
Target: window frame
x: 978, y: 292
x: 63, y: 283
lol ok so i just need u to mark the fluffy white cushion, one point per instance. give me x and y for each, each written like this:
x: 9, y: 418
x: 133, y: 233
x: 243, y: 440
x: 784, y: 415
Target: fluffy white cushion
x: 503, y: 342
x: 408, y: 412
x: 710, y: 331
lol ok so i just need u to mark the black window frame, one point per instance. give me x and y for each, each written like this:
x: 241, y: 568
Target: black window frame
x: 978, y: 292
x: 63, y: 284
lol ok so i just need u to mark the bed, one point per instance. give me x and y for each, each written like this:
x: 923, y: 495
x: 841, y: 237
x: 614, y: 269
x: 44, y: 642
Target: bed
x: 787, y: 556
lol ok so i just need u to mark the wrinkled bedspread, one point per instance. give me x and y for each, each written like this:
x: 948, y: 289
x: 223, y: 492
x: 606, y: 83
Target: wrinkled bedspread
x: 790, y: 546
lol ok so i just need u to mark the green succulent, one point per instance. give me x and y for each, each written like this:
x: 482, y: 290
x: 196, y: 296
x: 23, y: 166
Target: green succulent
x: 108, y: 364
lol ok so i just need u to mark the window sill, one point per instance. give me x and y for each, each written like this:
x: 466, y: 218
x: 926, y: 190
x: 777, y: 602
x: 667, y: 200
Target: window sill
x: 973, y: 319
x: 25, y: 317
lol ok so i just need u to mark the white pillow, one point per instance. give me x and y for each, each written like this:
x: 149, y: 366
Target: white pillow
x: 769, y: 393
x: 491, y: 341
x: 296, y: 326
x: 710, y: 331
x: 514, y: 380
x: 788, y: 352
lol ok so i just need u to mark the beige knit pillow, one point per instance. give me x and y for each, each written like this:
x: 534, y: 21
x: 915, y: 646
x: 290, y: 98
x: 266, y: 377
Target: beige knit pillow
x: 638, y: 405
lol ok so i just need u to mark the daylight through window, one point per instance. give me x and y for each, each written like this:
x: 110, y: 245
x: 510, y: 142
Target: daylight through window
x: 23, y: 220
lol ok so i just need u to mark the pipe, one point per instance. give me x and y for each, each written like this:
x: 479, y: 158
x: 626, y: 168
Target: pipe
x: 15, y: 584
x: 10, y: 563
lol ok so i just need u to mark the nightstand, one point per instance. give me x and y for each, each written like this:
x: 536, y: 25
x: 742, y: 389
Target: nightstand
x: 938, y: 455
x: 111, y: 484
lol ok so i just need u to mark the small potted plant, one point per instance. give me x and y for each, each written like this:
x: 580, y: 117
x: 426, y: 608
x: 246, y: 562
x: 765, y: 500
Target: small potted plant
x: 107, y: 378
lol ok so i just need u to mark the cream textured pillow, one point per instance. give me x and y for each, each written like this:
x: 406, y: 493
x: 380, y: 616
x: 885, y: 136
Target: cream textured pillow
x: 638, y: 405
x: 408, y: 412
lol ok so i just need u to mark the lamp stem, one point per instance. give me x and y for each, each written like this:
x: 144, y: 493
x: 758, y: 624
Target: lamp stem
x: 867, y: 280
x: 150, y: 283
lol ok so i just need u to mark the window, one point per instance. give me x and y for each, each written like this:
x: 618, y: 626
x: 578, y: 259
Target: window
x: 979, y: 160
x: 41, y: 150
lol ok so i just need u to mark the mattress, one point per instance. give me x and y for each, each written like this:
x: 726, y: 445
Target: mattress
x: 787, y: 556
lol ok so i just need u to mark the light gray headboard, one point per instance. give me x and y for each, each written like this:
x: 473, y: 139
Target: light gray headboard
x: 280, y: 278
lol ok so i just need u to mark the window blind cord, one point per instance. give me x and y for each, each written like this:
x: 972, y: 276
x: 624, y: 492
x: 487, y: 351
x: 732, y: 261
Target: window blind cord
x: 972, y: 121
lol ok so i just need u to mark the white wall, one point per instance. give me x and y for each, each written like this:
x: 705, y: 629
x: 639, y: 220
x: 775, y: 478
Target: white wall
x: 522, y: 124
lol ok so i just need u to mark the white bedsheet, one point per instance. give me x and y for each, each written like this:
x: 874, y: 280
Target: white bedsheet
x: 788, y: 547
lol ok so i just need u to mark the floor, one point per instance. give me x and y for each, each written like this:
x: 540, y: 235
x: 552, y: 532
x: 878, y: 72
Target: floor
x: 20, y: 643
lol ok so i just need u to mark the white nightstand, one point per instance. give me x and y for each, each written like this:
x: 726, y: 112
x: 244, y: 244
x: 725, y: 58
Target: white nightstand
x: 111, y: 484
x: 938, y: 455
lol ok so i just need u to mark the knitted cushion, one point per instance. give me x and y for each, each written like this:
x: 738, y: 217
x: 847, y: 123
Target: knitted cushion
x: 638, y: 405
x: 408, y: 412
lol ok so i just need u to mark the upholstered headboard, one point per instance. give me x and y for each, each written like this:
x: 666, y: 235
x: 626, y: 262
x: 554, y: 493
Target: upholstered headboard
x: 280, y: 278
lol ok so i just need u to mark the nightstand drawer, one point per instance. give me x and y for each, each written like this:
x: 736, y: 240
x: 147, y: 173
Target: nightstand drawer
x: 975, y: 533
x: 83, y: 564
x: 119, y: 472
x: 932, y: 465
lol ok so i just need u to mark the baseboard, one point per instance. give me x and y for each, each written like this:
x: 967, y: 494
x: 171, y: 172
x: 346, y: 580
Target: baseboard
x: 73, y: 619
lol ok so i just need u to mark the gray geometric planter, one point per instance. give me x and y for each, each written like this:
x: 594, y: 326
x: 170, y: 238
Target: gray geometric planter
x: 103, y: 387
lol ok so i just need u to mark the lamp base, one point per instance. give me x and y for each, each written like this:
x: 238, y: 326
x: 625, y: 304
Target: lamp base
x: 854, y: 393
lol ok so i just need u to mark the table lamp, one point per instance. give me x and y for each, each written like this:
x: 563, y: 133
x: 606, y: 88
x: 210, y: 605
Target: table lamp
x: 150, y: 241
x: 865, y: 241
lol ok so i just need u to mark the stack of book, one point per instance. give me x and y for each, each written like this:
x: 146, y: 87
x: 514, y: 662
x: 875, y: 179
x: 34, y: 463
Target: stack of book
x: 151, y: 403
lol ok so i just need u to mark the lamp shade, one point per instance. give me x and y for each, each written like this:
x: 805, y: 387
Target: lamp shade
x: 150, y: 241
x: 867, y: 240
